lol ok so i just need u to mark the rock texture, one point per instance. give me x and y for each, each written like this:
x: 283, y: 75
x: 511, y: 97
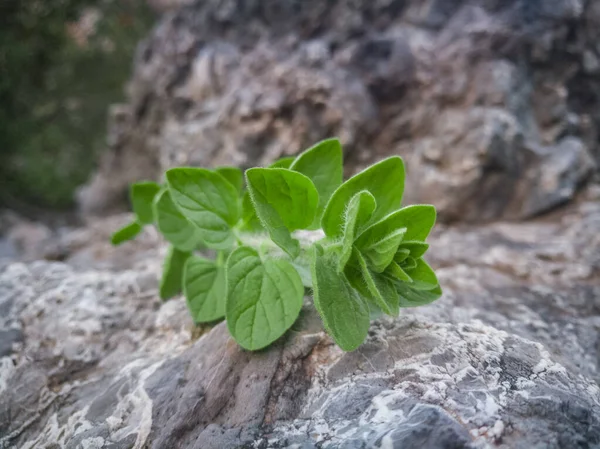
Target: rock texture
x: 493, y: 104
x: 508, y: 358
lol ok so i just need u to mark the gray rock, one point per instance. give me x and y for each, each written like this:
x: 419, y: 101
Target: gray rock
x: 508, y: 358
x: 490, y: 102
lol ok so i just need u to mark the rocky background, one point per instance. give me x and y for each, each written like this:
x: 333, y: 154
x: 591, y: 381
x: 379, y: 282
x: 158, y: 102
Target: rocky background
x: 495, y: 107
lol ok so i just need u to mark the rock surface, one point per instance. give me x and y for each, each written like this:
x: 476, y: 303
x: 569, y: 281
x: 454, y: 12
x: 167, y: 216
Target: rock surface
x: 494, y: 104
x: 495, y: 107
x: 508, y: 358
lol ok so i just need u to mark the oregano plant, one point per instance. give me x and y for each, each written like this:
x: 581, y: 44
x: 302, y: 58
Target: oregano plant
x: 276, y: 231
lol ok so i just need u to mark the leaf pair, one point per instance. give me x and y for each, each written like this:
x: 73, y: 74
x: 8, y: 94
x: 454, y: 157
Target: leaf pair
x: 289, y: 199
x: 384, y: 181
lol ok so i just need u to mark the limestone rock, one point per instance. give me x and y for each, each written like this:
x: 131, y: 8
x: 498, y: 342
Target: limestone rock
x: 90, y: 358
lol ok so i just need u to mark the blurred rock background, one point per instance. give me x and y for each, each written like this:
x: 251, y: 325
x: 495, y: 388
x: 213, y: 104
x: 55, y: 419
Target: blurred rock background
x: 494, y: 105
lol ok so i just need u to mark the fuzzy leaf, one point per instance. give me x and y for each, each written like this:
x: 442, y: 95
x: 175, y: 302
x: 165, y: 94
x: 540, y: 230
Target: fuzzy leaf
x: 323, y: 164
x: 360, y: 209
x: 381, y: 289
x: 396, y: 272
x: 423, y: 276
x: 380, y: 253
x: 344, y: 312
x: 415, y: 248
x: 409, y: 297
x: 409, y: 263
x: 208, y: 201
x: 141, y: 195
x: 205, y: 289
x: 264, y: 298
x: 127, y: 232
x: 401, y: 255
x: 284, y: 201
x: 384, y: 180
x: 176, y: 229
x: 250, y: 221
x: 418, y: 221
x: 234, y: 175
x: 170, y: 284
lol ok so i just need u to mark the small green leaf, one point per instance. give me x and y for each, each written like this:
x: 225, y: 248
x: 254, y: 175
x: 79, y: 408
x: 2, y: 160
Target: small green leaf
x: 323, y: 164
x: 360, y: 209
x: 380, y: 253
x: 409, y: 297
x: 205, y: 289
x: 127, y: 232
x: 234, y: 175
x: 417, y: 221
x: 356, y: 280
x: 409, y: 263
x: 396, y: 272
x: 381, y: 289
x: 208, y: 201
x: 176, y: 229
x: 284, y: 201
x: 401, y: 255
x: 384, y: 180
x: 344, y: 312
x: 423, y: 276
x: 141, y: 195
x: 250, y: 221
x: 415, y: 248
x: 284, y: 162
x: 264, y: 298
x: 170, y: 284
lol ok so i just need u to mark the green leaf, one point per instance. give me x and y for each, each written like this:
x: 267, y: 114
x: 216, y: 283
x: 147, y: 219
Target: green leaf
x: 401, y: 255
x: 409, y: 297
x: 208, y: 201
x: 384, y: 180
x: 423, y: 276
x: 344, y: 312
x: 170, y: 284
x: 284, y: 201
x: 418, y: 221
x: 415, y: 248
x: 355, y: 278
x: 409, y: 263
x: 205, y: 289
x: 127, y: 232
x: 234, y: 175
x: 141, y: 195
x: 250, y: 221
x: 360, y: 209
x: 380, y: 253
x: 396, y: 272
x: 176, y: 229
x: 381, y: 290
x: 264, y: 298
x: 284, y: 162
x: 323, y: 164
